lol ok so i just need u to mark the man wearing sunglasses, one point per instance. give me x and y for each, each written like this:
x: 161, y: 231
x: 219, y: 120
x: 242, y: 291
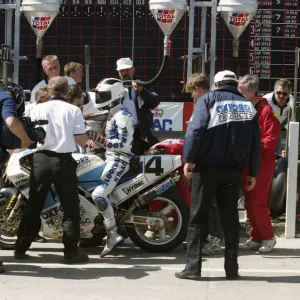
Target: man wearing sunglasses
x: 280, y: 98
x: 280, y: 103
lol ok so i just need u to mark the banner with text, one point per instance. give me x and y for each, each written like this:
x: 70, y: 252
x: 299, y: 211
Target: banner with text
x: 168, y: 116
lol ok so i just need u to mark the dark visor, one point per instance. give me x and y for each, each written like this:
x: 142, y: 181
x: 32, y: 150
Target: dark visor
x: 103, y: 96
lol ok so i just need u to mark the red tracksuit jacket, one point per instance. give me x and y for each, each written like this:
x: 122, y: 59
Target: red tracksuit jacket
x: 269, y: 129
x: 257, y: 199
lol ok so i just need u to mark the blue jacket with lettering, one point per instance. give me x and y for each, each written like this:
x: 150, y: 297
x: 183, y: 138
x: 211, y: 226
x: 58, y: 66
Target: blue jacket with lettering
x: 223, y: 130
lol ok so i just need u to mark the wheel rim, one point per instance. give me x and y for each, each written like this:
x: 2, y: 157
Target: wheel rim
x: 8, y: 228
x: 172, y: 218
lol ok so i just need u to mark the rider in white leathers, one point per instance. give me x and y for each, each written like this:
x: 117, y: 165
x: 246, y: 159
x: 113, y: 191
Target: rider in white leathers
x: 118, y: 142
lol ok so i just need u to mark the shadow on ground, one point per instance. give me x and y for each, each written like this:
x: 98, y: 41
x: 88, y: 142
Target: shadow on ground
x: 79, y: 272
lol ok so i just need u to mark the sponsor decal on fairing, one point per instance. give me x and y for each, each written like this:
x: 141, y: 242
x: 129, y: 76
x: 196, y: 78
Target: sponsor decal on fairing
x: 132, y: 188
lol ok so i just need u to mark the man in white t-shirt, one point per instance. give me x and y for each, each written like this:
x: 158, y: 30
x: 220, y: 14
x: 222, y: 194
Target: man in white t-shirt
x: 42, y: 95
x: 51, y: 68
x: 53, y: 164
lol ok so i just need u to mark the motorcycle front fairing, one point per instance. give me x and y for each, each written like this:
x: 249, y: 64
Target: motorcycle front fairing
x: 19, y: 174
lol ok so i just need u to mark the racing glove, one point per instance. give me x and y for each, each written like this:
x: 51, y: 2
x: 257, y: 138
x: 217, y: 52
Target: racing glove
x: 96, y: 138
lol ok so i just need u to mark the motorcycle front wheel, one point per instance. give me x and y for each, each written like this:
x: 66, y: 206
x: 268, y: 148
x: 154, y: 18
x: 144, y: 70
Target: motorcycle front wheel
x: 8, y: 227
x: 170, y: 207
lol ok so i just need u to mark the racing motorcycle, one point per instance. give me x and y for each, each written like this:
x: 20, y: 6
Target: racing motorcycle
x: 150, y: 179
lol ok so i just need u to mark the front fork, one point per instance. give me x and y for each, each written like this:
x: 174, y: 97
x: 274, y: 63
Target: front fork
x: 13, y: 206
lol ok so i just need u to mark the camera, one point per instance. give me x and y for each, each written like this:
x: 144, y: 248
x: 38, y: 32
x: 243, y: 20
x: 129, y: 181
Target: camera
x: 37, y: 134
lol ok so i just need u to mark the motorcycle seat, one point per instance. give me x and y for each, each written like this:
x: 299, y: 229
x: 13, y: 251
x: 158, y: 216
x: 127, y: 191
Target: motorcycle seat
x: 26, y: 162
x: 134, y: 170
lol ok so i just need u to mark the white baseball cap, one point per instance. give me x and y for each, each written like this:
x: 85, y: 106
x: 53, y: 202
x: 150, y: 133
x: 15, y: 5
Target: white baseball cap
x: 124, y: 63
x: 225, y: 75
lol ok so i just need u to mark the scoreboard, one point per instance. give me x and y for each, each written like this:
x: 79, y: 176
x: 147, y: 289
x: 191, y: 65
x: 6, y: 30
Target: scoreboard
x: 274, y: 35
x: 126, y: 28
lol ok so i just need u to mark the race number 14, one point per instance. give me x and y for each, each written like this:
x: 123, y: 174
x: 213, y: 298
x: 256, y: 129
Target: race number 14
x: 153, y: 166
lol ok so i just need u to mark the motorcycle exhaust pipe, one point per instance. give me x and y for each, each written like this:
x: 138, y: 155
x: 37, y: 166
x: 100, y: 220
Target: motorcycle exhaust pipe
x: 150, y: 195
x: 154, y: 192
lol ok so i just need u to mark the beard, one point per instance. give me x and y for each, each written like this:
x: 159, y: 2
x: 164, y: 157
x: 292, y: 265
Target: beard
x: 126, y: 77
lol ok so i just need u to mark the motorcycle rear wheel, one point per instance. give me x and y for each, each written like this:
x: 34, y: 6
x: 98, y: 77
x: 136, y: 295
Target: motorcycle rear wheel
x: 175, y: 213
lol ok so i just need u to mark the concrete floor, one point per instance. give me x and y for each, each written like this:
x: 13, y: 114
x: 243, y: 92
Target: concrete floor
x: 130, y: 273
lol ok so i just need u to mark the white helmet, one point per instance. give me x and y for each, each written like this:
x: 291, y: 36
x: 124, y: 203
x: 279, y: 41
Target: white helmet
x: 109, y: 93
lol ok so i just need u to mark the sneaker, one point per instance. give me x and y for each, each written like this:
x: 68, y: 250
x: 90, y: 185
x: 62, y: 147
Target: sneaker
x: 213, y: 245
x: 267, y: 246
x: 211, y: 249
x: 150, y: 234
x: 250, y: 245
x: 188, y: 275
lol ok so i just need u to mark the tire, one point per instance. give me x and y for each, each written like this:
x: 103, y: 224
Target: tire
x: 137, y: 234
x: 278, y: 188
x: 8, y: 231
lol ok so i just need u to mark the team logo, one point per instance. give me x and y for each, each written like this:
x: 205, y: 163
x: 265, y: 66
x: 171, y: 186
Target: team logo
x: 165, y: 15
x: 157, y: 112
x: 40, y: 23
x: 239, y: 19
x: 234, y: 112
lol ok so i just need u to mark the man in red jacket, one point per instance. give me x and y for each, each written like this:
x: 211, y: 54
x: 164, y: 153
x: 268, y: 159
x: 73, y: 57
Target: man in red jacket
x: 262, y: 233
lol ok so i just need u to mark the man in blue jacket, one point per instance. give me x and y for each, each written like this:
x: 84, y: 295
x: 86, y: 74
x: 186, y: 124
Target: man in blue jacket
x: 8, y: 114
x: 8, y: 118
x: 221, y: 140
x: 139, y: 101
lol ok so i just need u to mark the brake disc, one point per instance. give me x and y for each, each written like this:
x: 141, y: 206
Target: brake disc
x: 10, y: 227
x: 156, y: 226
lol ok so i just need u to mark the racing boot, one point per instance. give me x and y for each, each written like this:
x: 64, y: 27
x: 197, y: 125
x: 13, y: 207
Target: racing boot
x: 113, y: 238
